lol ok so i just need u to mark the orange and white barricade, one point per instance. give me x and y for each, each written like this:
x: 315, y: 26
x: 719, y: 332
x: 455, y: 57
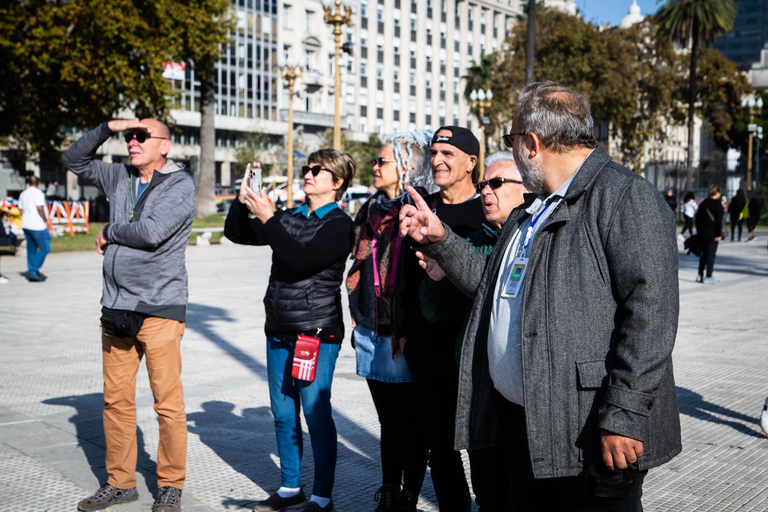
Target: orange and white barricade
x: 78, y: 216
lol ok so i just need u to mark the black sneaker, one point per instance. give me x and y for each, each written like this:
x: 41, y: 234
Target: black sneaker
x: 313, y: 506
x: 407, y: 501
x: 107, y: 496
x: 387, y: 497
x: 168, y: 499
x: 275, y: 503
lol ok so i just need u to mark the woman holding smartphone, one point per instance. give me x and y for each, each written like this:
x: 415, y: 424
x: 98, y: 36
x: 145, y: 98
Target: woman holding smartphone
x: 309, y: 244
x: 381, y: 309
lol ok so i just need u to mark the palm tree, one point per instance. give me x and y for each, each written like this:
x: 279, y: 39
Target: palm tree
x: 691, y: 22
x: 479, y: 74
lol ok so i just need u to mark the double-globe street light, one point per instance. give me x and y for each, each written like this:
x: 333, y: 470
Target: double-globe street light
x: 290, y: 70
x: 481, y: 100
x: 337, y: 13
x: 752, y: 128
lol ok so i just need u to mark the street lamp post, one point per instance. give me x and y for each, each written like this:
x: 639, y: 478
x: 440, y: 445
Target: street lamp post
x: 337, y: 14
x: 481, y: 100
x: 290, y: 71
x: 752, y: 128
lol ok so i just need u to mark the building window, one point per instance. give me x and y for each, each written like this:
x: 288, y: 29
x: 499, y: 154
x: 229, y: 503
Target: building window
x: 396, y: 115
x: 379, y: 113
x: 428, y: 119
x: 363, y: 111
x: 412, y: 117
x: 287, y: 15
x: 309, y: 20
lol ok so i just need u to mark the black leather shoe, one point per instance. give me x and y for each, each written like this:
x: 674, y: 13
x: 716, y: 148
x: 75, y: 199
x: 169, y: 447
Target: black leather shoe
x: 275, y: 503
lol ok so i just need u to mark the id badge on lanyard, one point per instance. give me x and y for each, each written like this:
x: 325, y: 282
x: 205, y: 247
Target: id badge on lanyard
x: 515, y: 278
x: 514, y: 282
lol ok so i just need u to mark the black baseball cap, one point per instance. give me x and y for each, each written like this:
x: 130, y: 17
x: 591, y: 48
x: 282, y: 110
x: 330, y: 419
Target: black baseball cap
x: 461, y: 138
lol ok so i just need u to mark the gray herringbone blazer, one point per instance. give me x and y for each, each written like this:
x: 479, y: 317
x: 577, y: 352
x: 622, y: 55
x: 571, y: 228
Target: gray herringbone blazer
x: 599, y: 323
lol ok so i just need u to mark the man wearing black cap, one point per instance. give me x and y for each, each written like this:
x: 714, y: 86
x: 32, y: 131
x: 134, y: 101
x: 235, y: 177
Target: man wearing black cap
x: 430, y: 350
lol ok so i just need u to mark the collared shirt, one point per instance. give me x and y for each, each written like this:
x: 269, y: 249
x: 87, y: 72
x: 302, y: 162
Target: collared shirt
x: 504, y: 331
x: 319, y: 213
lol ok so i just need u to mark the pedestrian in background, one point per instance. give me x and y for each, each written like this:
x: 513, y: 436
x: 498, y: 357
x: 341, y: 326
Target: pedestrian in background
x: 709, y: 226
x: 310, y: 245
x: 755, y: 210
x: 34, y: 215
x: 689, y: 212
x: 671, y: 200
x: 736, y: 210
x: 381, y: 306
x: 144, y: 301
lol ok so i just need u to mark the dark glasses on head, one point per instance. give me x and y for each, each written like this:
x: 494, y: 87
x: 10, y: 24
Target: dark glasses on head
x: 495, y: 183
x: 509, y: 138
x: 314, y: 169
x: 380, y: 161
x: 140, y: 137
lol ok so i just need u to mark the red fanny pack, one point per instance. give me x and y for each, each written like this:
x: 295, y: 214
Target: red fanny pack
x: 305, y: 355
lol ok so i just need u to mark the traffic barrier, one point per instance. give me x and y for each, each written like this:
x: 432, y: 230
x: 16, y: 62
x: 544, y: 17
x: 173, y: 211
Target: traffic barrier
x: 68, y: 217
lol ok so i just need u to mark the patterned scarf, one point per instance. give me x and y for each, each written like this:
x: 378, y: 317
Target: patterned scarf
x: 373, y: 219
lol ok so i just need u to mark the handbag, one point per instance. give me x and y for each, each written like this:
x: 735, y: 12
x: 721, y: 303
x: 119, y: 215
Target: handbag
x: 385, y: 304
x: 305, y: 354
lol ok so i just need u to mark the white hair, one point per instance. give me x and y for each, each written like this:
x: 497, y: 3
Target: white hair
x: 502, y: 157
x: 411, y: 153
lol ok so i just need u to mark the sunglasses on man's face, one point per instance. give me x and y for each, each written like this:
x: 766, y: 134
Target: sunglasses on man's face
x: 380, y: 161
x: 495, y: 183
x: 509, y: 138
x: 314, y: 169
x: 141, y: 137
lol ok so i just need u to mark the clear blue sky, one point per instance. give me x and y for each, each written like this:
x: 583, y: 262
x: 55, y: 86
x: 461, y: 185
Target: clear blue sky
x: 612, y: 11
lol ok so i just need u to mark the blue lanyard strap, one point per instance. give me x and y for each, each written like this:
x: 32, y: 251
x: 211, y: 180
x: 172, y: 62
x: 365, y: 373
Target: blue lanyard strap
x: 529, y: 232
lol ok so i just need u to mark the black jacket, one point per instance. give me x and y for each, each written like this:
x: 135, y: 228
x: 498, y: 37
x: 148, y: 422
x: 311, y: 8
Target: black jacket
x: 308, y: 259
x: 709, y: 219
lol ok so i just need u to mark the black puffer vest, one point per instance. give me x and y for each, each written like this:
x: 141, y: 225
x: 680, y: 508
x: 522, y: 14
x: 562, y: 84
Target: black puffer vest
x: 297, y: 303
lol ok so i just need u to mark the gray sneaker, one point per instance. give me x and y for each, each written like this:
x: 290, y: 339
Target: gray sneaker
x: 168, y: 500
x: 107, y: 496
x: 275, y: 503
x: 710, y: 280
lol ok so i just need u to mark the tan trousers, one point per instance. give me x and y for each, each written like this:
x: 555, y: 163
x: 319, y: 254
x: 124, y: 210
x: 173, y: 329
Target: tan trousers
x: 160, y: 340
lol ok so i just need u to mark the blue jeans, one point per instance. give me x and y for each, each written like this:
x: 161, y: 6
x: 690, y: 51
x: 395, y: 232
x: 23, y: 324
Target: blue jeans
x: 38, y: 247
x: 286, y: 396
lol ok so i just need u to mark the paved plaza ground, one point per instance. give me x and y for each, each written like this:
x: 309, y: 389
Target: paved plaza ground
x: 52, y: 444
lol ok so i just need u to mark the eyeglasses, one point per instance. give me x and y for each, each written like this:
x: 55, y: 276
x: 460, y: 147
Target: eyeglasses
x: 495, y: 183
x: 380, y: 161
x: 509, y: 138
x: 141, y: 137
x: 315, y: 169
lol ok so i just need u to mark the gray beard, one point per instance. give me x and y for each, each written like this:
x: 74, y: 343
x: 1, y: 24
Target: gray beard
x: 531, y: 173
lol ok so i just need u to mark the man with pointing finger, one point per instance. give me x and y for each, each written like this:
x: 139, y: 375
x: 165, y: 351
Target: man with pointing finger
x: 144, y: 301
x: 566, y: 359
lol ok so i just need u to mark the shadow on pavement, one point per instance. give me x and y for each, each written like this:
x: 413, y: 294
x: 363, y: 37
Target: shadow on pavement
x: 725, y: 263
x: 249, y: 458
x: 693, y: 404
x: 89, y: 430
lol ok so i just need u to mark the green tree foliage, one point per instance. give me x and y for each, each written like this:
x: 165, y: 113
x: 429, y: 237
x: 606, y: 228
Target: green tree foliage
x: 362, y: 153
x: 634, y: 78
x: 691, y: 22
x: 74, y: 64
x: 78, y: 63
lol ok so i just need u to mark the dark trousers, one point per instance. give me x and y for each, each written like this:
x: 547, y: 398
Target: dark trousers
x: 688, y: 225
x: 707, y: 259
x: 575, y: 494
x: 403, y: 450
x: 436, y: 383
x: 740, y: 224
x: 489, y: 480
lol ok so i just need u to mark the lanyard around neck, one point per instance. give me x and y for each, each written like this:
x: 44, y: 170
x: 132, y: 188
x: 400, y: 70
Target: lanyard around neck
x: 531, y: 226
x: 393, y: 272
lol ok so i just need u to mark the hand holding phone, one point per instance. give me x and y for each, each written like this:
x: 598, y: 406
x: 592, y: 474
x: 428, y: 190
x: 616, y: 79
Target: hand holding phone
x: 255, y: 178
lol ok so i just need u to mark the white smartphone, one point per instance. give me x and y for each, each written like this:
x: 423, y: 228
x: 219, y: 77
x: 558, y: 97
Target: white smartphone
x: 255, y: 178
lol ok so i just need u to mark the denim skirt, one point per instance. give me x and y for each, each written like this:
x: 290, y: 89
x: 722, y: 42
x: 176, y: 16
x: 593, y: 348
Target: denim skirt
x: 374, y: 357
